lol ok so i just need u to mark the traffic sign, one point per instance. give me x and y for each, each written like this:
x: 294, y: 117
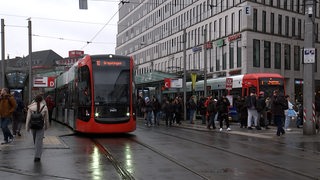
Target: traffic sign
x: 167, y: 82
x: 309, y: 55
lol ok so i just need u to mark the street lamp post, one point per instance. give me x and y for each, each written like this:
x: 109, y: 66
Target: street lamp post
x: 184, y: 74
x: 30, y: 59
x: 2, y: 54
x: 205, y: 63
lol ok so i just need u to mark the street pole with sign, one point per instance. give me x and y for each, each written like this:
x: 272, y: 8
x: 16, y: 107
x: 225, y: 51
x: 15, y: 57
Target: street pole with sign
x: 308, y: 71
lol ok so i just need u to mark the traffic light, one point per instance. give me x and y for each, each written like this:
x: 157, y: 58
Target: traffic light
x: 83, y: 4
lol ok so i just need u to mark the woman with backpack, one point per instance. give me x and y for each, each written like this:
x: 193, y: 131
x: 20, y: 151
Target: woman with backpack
x: 38, y: 105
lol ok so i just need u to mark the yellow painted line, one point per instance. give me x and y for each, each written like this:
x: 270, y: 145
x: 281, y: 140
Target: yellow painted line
x: 51, y: 140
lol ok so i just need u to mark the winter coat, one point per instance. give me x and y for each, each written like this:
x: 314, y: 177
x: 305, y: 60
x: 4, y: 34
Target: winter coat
x: 7, y: 106
x: 32, y: 108
x: 277, y: 105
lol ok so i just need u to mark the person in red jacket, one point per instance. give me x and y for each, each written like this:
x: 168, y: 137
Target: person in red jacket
x: 7, y: 107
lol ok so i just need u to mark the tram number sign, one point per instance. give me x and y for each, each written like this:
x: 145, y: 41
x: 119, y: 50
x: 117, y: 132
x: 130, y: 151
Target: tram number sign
x: 229, y: 82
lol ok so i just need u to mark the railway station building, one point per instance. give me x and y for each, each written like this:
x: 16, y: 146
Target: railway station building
x: 223, y: 38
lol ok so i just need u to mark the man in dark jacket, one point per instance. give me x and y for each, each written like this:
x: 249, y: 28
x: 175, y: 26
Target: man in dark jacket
x: 261, y: 108
x: 277, y: 108
x: 223, y: 109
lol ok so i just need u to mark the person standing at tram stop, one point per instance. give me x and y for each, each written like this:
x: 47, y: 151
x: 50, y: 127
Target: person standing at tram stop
x: 212, y: 111
x: 18, y: 114
x: 192, y: 107
x: 38, y: 134
x: 50, y: 105
x: 262, y: 110
x: 223, y: 108
x: 289, y: 113
x: 148, y: 112
x: 7, y: 107
x: 278, y: 105
x: 251, y: 103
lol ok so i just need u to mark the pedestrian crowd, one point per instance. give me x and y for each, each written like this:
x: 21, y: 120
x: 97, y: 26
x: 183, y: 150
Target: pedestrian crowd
x: 256, y: 111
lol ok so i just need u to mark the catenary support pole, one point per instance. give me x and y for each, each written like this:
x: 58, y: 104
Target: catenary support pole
x: 308, y: 70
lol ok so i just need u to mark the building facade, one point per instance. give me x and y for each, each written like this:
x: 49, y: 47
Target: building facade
x: 240, y: 36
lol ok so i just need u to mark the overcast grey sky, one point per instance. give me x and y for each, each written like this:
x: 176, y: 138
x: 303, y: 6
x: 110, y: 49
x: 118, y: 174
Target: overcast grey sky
x: 59, y: 25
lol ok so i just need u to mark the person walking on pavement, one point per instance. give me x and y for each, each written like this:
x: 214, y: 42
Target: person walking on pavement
x: 148, y: 111
x: 18, y: 114
x: 7, y: 107
x: 251, y: 103
x: 222, y: 107
x: 278, y: 105
x: 38, y: 134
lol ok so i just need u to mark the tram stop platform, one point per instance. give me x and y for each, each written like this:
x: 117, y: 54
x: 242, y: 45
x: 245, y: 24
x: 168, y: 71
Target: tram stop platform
x: 17, y: 157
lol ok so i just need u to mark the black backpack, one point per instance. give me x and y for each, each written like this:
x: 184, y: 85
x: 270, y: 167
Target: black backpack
x: 37, y: 120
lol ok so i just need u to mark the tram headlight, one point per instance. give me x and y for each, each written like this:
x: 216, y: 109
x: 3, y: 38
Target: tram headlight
x: 96, y: 114
x: 128, y: 114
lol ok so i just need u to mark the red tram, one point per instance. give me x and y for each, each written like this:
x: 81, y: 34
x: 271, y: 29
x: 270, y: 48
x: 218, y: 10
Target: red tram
x: 96, y: 95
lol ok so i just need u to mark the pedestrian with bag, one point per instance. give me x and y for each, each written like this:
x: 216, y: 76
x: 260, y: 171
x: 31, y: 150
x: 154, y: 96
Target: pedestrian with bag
x: 37, y: 130
x: 7, y: 107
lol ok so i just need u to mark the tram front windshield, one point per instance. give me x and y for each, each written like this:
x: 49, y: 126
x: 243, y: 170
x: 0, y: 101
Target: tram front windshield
x: 111, y: 85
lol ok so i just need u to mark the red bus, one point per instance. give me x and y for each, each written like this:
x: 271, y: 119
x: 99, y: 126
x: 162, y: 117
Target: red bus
x: 96, y: 95
x: 266, y: 82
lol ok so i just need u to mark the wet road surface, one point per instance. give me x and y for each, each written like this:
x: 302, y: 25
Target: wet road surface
x: 181, y: 152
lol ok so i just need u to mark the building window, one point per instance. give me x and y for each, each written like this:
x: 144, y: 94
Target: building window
x: 287, y: 57
x: 256, y: 53
x: 272, y: 23
x: 293, y: 27
x: 220, y: 23
x: 279, y: 24
x: 299, y: 28
x: 217, y: 59
x: 232, y: 23
x: 231, y: 55
x: 286, y: 28
x: 264, y: 21
x: 224, y: 58
x: 296, y: 57
x: 226, y: 26
x: 277, y: 56
x: 285, y: 4
x: 267, y: 54
x: 255, y: 20
x: 239, y: 54
x: 240, y: 20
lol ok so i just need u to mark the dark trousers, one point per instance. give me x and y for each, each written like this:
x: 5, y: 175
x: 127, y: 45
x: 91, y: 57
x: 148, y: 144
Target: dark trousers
x: 221, y: 117
x: 5, y: 129
x: 278, y: 120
